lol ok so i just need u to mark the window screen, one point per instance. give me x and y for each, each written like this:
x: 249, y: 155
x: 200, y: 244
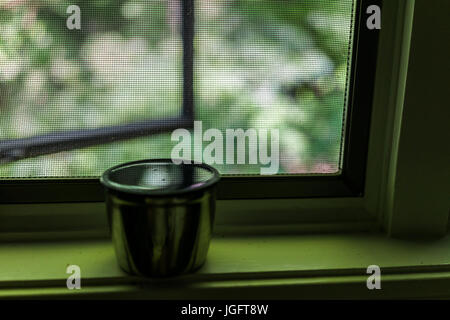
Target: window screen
x: 265, y: 65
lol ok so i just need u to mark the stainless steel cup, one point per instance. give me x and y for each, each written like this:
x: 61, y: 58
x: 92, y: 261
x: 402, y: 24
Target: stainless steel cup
x: 161, y: 215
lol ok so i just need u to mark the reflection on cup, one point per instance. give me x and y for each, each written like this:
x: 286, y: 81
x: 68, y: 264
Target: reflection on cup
x: 161, y: 215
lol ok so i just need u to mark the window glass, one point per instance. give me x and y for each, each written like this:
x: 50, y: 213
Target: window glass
x: 268, y: 71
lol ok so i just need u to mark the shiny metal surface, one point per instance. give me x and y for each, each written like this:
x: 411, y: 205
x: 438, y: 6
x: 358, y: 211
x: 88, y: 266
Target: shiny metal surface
x: 162, y: 234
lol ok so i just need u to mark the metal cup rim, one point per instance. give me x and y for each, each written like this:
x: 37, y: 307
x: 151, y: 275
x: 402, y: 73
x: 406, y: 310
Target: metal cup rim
x: 127, y: 189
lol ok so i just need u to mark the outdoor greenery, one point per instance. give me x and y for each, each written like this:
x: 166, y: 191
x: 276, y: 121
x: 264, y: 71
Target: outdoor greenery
x: 258, y: 64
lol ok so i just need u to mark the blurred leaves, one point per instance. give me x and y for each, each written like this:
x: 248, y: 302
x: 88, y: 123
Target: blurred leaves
x: 259, y: 64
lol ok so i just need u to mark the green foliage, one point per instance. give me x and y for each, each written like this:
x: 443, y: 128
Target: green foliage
x: 259, y: 64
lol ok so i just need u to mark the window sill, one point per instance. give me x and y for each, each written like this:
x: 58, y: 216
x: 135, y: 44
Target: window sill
x: 256, y: 267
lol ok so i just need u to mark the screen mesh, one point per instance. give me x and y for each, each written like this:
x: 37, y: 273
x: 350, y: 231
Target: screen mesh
x: 263, y: 69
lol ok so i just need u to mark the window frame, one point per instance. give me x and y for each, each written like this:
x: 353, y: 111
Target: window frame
x: 349, y: 182
x: 416, y: 185
x: 410, y: 268
x: 375, y: 210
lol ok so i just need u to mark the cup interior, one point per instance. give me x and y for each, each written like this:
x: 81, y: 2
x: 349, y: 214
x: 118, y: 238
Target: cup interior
x: 159, y: 177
